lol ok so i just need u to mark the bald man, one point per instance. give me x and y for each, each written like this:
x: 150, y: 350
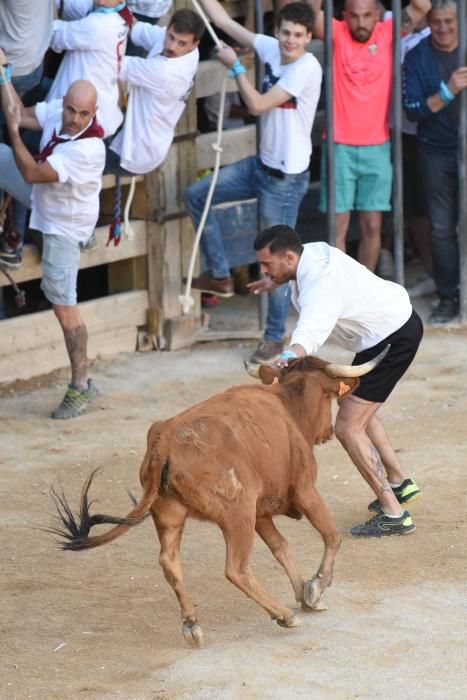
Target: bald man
x: 362, y: 69
x: 61, y: 186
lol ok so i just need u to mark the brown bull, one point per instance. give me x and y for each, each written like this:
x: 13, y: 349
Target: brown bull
x: 237, y: 459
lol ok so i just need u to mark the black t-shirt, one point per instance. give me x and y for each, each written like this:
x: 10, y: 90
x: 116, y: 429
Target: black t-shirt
x: 447, y: 62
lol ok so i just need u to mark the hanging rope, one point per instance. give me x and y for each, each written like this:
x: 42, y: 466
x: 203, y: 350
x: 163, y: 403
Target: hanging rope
x: 186, y: 300
x: 127, y: 230
x: 115, y: 230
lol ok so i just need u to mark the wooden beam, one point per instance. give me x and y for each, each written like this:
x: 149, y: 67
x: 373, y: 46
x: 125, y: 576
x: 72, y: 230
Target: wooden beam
x: 236, y: 144
x: 32, y: 331
x: 128, y: 248
x: 108, y: 181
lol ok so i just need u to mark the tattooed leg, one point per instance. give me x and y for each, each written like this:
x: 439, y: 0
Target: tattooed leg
x: 76, y: 341
x: 351, y: 427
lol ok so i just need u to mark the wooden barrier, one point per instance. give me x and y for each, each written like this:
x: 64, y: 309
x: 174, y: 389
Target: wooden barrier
x: 144, y: 273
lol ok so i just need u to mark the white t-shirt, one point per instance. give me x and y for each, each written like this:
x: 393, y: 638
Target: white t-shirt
x: 159, y: 89
x: 286, y: 130
x: 69, y: 207
x: 150, y: 8
x: 25, y: 33
x: 94, y: 46
x: 339, y: 298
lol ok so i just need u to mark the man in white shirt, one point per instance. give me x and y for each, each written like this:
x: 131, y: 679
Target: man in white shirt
x: 278, y: 177
x: 341, y: 299
x: 159, y: 88
x: 94, y: 46
x: 61, y: 186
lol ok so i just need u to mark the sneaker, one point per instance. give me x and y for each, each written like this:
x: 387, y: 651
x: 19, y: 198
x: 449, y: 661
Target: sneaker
x: 91, y: 244
x: 407, y: 491
x: 267, y: 350
x: 75, y: 402
x: 445, y: 311
x: 422, y: 287
x: 11, y: 259
x: 381, y: 525
x: 220, y: 286
x: 386, y: 264
x: 209, y: 301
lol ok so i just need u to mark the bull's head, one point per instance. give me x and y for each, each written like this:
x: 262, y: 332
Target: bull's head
x: 309, y: 384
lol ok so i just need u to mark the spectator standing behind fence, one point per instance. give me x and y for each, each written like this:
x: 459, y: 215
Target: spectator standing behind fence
x: 433, y: 79
x: 159, y: 89
x: 94, y: 47
x: 362, y: 71
x: 279, y: 176
x: 61, y: 185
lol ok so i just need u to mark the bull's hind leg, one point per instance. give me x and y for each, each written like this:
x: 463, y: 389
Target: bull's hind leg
x: 169, y: 518
x: 281, y: 551
x: 239, y: 536
x: 312, y: 505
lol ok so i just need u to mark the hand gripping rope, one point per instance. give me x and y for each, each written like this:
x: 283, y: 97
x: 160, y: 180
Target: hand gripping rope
x: 186, y: 300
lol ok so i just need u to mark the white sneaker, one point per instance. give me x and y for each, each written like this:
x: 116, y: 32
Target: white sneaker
x: 386, y: 264
x: 423, y: 287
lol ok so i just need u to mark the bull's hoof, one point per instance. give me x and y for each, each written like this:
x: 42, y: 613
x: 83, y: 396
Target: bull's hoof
x: 288, y: 622
x: 317, y: 607
x: 193, y: 634
x: 312, y: 592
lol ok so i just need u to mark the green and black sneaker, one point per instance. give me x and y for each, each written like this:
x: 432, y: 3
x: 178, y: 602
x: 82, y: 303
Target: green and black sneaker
x: 407, y: 491
x: 382, y: 525
x: 75, y: 402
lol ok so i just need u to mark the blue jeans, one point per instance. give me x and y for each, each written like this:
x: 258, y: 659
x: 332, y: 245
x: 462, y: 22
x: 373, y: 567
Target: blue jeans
x: 14, y: 184
x: 440, y: 176
x: 278, y: 203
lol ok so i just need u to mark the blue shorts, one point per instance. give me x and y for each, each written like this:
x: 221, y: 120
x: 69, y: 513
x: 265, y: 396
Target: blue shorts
x: 363, y: 177
x: 60, y: 264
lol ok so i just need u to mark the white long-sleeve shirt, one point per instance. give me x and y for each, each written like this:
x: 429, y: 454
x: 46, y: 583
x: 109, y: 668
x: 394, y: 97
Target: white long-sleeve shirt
x: 159, y: 89
x: 94, y: 48
x: 339, y: 298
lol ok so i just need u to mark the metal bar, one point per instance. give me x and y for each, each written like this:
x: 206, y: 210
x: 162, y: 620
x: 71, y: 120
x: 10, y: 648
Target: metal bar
x: 328, y: 77
x: 462, y: 29
x: 259, y: 29
x: 397, y: 191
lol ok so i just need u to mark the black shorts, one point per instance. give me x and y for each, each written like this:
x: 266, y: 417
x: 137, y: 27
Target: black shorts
x: 378, y: 384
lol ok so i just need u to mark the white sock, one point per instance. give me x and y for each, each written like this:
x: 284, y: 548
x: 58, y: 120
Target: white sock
x: 395, y: 486
x: 389, y: 515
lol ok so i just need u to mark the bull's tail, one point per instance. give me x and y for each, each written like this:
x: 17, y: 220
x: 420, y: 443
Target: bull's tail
x: 75, y: 528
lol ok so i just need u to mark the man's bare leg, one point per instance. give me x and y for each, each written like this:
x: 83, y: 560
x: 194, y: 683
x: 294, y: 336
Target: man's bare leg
x: 370, y: 238
x: 342, y: 226
x: 351, y: 427
x: 76, y: 341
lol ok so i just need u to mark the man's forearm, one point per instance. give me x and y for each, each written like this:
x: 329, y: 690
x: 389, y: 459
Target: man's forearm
x: 24, y: 160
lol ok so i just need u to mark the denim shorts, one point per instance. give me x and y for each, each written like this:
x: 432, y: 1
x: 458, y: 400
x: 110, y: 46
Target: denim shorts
x: 60, y: 263
x: 363, y: 176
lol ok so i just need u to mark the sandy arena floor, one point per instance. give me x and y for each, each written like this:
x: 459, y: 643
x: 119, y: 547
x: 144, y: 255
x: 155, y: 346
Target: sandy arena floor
x: 104, y: 624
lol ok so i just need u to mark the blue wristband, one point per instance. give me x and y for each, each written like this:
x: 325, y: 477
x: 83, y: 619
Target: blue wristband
x: 236, y: 69
x: 7, y: 71
x: 445, y: 93
x: 288, y: 355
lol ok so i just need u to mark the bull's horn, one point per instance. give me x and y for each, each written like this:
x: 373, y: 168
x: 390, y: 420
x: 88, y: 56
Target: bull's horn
x: 253, y: 371
x: 355, y: 370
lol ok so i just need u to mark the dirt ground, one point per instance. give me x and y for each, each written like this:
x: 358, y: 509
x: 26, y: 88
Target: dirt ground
x: 104, y: 624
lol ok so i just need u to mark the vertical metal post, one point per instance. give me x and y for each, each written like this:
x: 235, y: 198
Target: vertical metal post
x: 259, y: 29
x: 462, y: 28
x: 328, y: 77
x: 397, y: 191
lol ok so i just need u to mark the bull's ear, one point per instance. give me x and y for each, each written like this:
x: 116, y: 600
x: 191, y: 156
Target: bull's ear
x: 268, y: 374
x: 348, y: 386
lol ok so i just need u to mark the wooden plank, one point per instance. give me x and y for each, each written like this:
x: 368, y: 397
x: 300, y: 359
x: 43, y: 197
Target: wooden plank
x: 32, y: 331
x: 128, y: 248
x: 108, y: 181
x: 209, y: 77
x: 236, y: 144
x: 172, y: 279
x: 181, y: 332
x: 44, y: 359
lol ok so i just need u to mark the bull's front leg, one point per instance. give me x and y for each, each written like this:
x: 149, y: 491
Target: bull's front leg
x: 169, y: 517
x: 312, y: 505
x: 239, y: 536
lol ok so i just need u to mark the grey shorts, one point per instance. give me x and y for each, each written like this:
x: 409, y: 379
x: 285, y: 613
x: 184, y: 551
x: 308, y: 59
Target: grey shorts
x: 60, y: 264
